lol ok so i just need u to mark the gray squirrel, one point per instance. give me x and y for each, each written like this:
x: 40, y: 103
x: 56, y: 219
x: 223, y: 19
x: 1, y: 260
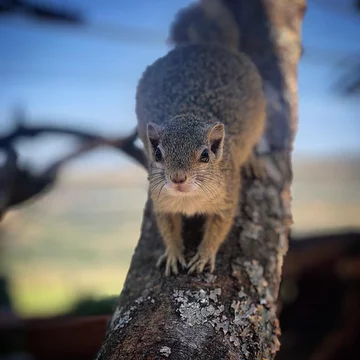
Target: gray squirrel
x: 200, y: 111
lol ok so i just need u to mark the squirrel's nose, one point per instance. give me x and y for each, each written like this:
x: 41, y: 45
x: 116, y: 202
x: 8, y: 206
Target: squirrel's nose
x: 178, y: 179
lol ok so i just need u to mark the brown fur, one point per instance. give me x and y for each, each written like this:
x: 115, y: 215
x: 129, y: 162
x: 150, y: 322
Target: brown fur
x: 201, y: 95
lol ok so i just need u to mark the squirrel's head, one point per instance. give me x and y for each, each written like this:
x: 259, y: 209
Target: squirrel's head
x: 185, y: 156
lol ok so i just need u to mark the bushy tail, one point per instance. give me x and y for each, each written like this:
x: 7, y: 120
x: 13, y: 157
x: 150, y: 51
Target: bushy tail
x: 208, y: 21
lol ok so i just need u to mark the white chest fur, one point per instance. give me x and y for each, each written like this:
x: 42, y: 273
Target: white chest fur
x: 189, y: 205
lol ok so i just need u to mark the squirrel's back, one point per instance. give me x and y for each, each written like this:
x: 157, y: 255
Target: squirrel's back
x: 198, y: 79
x: 203, y: 75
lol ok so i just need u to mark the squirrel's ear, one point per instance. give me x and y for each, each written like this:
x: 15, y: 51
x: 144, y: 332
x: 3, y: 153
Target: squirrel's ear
x: 216, y: 138
x: 153, y: 134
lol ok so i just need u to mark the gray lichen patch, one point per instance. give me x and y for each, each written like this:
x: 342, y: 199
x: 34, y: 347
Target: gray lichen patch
x: 209, y: 278
x: 240, y: 324
x: 214, y: 294
x: 122, y: 317
x: 250, y: 318
x: 200, y: 307
x: 246, y: 317
x: 165, y: 351
x: 234, y: 340
x: 256, y: 275
x: 241, y: 293
x: 251, y: 230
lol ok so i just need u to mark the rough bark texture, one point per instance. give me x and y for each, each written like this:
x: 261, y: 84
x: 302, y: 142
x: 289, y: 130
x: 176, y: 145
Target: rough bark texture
x: 232, y: 313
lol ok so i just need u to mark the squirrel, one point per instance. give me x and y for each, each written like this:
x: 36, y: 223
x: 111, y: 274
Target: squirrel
x: 200, y: 112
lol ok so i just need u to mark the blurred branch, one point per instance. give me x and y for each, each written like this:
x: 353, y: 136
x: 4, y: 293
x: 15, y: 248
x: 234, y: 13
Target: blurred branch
x: 7, y: 175
x: 124, y: 144
x: 46, y: 13
x: 19, y: 184
x: 349, y: 82
x: 41, y: 11
x: 27, y: 131
x: 22, y: 131
x: 26, y: 185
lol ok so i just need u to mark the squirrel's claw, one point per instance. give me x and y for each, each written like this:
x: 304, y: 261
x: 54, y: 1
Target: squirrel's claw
x: 200, y: 260
x: 172, y: 259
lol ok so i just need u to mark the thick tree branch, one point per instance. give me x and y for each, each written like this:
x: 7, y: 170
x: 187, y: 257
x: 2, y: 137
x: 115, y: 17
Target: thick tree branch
x: 231, y: 314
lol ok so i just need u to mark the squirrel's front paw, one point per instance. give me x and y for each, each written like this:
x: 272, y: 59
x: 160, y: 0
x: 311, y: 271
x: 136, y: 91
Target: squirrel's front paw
x: 172, y: 257
x: 201, y: 259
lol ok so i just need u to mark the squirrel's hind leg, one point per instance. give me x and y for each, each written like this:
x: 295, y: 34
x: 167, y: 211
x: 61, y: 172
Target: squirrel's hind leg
x: 169, y: 226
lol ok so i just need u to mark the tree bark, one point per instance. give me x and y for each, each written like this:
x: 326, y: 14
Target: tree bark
x: 230, y: 314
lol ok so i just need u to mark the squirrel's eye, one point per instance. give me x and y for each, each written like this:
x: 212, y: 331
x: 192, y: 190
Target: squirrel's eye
x: 204, y: 157
x: 158, y: 154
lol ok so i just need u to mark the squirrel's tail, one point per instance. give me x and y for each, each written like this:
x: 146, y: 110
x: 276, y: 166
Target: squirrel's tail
x: 208, y: 21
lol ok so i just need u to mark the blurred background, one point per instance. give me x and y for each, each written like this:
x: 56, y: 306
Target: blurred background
x: 76, y: 64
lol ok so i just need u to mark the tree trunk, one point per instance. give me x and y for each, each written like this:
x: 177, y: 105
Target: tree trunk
x: 232, y: 313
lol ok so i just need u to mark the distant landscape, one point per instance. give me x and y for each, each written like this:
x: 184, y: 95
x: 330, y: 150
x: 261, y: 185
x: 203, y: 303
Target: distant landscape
x: 78, y: 240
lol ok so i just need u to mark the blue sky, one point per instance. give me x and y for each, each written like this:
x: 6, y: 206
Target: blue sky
x: 84, y: 79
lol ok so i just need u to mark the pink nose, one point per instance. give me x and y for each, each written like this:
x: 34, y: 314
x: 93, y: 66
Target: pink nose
x: 178, y: 179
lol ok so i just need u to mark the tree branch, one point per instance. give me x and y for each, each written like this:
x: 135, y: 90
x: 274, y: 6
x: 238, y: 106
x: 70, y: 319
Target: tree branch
x: 20, y: 184
x: 8, y: 164
x: 231, y: 314
x: 125, y: 144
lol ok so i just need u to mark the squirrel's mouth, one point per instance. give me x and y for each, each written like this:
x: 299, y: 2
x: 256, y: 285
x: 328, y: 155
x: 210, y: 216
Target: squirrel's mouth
x: 177, y: 189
